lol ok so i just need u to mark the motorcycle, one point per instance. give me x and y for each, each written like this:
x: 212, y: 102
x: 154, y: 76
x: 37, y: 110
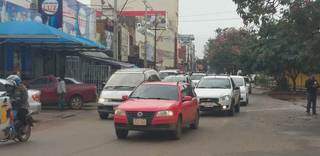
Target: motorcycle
x: 10, y: 127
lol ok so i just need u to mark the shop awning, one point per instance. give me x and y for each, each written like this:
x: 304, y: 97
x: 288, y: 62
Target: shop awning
x: 102, y: 57
x: 43, y: 36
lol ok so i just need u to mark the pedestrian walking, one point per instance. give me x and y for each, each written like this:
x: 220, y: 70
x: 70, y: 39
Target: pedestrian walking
x: 312, y: 86
x: 61, y: 90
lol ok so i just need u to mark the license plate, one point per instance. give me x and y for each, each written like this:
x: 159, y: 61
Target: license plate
x: 139, y: 122
x: 209, y: 105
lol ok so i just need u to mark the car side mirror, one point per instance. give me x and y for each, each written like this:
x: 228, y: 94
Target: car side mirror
x: 187, y: 98
x: 125, y: 97
x: 237, y: 88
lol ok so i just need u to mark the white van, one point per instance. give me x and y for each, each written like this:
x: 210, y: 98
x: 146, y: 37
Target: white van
x: 121, y: 83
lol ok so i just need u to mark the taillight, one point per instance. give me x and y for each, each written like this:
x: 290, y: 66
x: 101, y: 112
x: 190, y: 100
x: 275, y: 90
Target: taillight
x: 36, y: 97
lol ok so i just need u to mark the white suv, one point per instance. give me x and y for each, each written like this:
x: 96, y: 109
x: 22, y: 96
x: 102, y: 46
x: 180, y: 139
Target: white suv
x: 244, y: 89
x: 218, y: 93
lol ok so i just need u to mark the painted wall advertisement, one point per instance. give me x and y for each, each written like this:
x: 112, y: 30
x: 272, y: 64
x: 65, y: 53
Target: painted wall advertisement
x: 51, y: 12
x: 12, y: 11
x: 78, y: 19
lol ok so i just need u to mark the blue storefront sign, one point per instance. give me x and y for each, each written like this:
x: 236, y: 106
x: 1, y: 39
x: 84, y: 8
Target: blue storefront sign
x: 13, y: 12
x: 51, y: 12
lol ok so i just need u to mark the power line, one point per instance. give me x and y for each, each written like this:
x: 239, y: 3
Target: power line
x: 209, y: 13
x: 211, y: 20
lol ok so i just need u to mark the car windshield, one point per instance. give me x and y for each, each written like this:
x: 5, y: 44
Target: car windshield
x: 238, y: 81
x: 196, y: 77
x: 156, y: 91
x: 175, y: 79
x: 165, y: 74
x: 222, y: 83
x: 124, y: 81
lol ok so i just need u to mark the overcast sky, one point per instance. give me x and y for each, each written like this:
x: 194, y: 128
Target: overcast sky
x: 202, y: 17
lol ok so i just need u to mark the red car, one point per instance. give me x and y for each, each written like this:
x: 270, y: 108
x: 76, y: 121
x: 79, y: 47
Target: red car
x: 158, y: 106
x: 77, y: 92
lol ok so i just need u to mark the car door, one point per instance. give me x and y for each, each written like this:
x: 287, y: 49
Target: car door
x: 186, y: 105
x: 236, y: 92
x: 194, y: 103
x: 51, y: 90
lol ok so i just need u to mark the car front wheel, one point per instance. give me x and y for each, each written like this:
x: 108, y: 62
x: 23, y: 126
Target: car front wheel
x: 176, y: 134
x: 76, y: 102
x: 231, y: 111
x: 195, y: 124
x: 122, y: 134
x: 104, y: 116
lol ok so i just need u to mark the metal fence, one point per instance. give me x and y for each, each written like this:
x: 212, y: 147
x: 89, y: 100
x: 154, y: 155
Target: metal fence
x: 89, y: 73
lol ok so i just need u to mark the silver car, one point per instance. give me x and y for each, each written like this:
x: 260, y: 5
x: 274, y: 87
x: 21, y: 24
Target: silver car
x: 33, y: 97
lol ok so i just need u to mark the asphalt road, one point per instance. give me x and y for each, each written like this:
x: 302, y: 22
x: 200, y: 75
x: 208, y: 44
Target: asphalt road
x: 267, y: 127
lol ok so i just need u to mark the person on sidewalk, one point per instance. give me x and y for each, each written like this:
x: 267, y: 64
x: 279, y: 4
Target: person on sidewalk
x: 61, y: 90
x: 312, y: 86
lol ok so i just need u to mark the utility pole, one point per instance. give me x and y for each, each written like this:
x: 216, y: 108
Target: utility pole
x: 145, y: 61
x: 115, y: 31
x: 155, y: 42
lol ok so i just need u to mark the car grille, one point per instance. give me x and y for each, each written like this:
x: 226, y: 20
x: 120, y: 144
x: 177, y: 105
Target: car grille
x: 146, y: 115
x: 215, y: 100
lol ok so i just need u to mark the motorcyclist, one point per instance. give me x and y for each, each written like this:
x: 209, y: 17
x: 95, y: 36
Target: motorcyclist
x: 19, y: 97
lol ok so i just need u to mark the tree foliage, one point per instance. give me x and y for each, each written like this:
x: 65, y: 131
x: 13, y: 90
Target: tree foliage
x: 287, y: 39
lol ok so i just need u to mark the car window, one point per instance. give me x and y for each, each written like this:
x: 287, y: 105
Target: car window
x: 154, y: 77
x: 196, y: 77
x: 68, y: 82
x: 223, y: 83
x: 175, y: 79
x: 38, y: 83
x: 124, y: 81
x: 238, y: 81
x: 155, y: 91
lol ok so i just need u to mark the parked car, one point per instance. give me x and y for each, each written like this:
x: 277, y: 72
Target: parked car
x: 244, y: 89
x: 33, y: 97
x: 248, y: 84
x: 164, y: 73
x: 196, y: 77
x: 77, y: 94
x: 218, y: 93
x: 122, y: 82
x: 158, y: 106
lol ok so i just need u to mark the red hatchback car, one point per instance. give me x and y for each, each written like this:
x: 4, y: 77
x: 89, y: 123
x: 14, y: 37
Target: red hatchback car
x: 158, y: 106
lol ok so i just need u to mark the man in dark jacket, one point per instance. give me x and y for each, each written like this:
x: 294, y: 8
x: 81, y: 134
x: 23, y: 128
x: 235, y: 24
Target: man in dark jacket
x: 312, y: 86
x: 19, y: 98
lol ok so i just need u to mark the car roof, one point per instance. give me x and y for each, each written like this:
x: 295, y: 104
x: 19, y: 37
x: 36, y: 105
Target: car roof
x: 217, y: 76
x: 134, y: 70
x: 201, y: 74
x: 169, y: 71
x: 164, y: 83
x: 236, y: 76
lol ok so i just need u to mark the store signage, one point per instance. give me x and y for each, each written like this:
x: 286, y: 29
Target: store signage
x: 50, y: 7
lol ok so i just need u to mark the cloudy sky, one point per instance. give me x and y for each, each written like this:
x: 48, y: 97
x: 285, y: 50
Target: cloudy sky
x: 202, y: 17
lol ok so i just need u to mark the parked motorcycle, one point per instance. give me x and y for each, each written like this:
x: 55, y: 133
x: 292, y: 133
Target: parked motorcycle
x: 10, y: 127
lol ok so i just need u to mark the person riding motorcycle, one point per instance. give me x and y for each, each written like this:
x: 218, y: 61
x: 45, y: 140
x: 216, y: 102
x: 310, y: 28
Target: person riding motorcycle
x: 19, y: 98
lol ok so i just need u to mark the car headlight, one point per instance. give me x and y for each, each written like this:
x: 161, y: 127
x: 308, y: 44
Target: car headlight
x: 225, y: 98
x: 164, y: 113
x: 102, y: 100
x: 119, y: 112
